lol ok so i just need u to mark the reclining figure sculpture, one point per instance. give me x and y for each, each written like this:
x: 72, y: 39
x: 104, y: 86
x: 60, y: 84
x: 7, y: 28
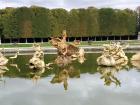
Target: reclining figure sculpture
x: 112, y: 55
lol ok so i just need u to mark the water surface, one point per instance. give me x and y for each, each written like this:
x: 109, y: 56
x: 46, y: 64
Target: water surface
x: 75, y: 84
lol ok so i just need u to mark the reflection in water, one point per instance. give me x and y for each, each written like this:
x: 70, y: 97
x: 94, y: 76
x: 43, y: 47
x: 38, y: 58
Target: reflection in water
x: 108, y: 74
x: 73, y: 73
x: 86, y: 90
x: 5, y: 69
x: 37, y: 63
x: 4, y: 62
x: 62, y: 61
x: 35, y: 75
x: 16, y: 66
x: 66, y: 70
x: 63, y: 74
x: 15, y: 56
x: 61, y: 77
x: 2, y: 71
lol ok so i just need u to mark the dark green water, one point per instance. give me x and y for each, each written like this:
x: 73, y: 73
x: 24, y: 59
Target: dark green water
x: 75, y: 84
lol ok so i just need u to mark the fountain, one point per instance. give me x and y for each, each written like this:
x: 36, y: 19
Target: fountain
x: 15, y: 56
x: 3, y: 59
x: 37, y: 61
x: 66, y: 70
x: 135, y: 60
x: 63, y: 61
x: 136, y: 57
x: 112, y: 55
x: 66, y: 49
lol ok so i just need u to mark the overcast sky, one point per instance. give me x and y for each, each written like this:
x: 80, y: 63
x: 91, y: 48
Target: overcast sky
x: 69, y: 4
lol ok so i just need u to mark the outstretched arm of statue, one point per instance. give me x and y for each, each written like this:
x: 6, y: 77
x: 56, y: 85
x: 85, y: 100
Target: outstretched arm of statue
x: 64, y: 36
x: 65, y: 51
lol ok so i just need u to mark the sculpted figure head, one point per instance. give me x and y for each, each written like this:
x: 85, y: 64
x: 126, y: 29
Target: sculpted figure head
x: 55, y: 41
x: 36, y: 63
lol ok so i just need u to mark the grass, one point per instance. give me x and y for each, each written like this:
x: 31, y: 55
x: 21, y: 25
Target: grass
x: 9, y: 45
x: 84, y: 43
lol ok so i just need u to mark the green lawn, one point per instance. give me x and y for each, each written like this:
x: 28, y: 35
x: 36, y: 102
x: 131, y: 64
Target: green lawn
x: 84, y: 43
x: 23, y: 45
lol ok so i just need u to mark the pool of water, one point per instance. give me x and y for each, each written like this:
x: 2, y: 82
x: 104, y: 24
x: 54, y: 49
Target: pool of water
x: 74, y: 84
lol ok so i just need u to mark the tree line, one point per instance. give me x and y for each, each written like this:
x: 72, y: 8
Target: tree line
x: 36, y: 21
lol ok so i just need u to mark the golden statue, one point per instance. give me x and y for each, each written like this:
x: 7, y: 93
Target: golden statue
x: 66, y: 49
x: 112, y: 55
x: 135, y: 60
x: 37, y: 61
x: 3, y: 59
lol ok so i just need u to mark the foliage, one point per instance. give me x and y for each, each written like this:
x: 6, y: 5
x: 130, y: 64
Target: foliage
x: 42, y: 22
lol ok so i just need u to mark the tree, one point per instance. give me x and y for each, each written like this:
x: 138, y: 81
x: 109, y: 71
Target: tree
x: 106, y: 21
x: 24, y: 20
x: 73, y: 23
x: 83, y: 17
x: 60, y: 17
x: 10, y: 26
x: 92, y: 21
x: 41, y: 21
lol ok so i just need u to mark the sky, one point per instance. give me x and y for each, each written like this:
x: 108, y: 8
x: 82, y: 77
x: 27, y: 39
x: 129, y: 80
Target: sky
x: 69, y: 4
